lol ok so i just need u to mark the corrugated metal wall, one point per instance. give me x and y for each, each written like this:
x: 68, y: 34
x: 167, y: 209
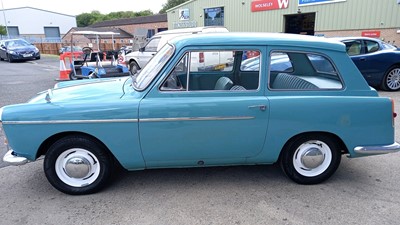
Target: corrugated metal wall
x: 348, y: 15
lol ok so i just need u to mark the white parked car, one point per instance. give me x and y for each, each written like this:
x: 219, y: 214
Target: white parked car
x: 138, y: 59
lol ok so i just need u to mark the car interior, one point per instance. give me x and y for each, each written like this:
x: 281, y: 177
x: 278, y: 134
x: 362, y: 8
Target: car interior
x: 287, y: 71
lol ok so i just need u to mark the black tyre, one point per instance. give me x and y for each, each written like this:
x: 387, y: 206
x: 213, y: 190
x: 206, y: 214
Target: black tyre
x: 9, y: 59
x: 72, y: 76
x: 133, y: 67
x: 310, y: 159
x: 77, y: 165
x: 37, y: 58
x: 391, y: 80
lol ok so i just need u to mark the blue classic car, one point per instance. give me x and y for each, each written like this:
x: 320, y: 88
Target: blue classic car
x: 174, y: 113
x: 377, y: 61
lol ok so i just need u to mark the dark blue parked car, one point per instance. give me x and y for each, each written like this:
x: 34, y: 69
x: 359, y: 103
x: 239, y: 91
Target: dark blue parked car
x: 18, y: 50
x: 378, y: 61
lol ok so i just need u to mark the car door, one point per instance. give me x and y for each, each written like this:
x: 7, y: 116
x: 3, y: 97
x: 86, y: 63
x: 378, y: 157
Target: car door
x: 148, y: 51
x: 370, y: 61
x: 183, y: 127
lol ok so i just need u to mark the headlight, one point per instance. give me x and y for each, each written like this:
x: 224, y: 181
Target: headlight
x: 36, y: 50
x: 11, y: 52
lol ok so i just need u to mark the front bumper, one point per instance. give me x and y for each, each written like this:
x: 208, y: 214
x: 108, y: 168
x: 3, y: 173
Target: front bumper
x: 24, y: 56
x: 14, y: 160
x: 377, y: 150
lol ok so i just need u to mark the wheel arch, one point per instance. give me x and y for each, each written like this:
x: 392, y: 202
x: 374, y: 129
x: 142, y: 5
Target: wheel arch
x: 51, y: 140
x: 343, y: 147
x: 136, y: 61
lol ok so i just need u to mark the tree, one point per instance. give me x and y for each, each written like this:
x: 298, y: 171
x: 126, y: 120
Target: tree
x: 3, y: 30
x: 87, y: 19
x: 171, y: 4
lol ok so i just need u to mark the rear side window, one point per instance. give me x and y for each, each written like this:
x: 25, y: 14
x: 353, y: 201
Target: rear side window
x: 372, y: 46
x: 321, y: 64
x: 302, y: 71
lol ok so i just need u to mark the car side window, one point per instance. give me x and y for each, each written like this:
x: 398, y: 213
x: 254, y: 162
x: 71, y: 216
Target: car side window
x: 372, y: 46
x: 213, y: 71
x: 353, y: 47
x: 152, y: 45
x: 302, y: 71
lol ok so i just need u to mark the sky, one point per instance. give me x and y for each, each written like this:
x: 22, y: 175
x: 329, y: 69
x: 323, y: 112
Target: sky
x: 76, y: 7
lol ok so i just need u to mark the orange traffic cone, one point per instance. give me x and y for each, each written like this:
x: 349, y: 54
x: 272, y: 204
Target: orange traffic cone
x: 64, y: 73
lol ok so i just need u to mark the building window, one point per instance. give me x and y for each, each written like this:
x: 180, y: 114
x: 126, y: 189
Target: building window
x: 150, y: 33
x: 122, y: 41
x: 13, y: 31
x: 214, y: 16
x: 52, y: 32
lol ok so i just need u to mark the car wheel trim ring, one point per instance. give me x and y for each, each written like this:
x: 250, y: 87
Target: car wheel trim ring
x: 393, y: 79
x: 312, y: 158
x: 77, y: 167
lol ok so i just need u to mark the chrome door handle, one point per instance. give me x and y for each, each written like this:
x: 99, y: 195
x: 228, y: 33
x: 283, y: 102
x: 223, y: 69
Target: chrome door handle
x: 261, y: 107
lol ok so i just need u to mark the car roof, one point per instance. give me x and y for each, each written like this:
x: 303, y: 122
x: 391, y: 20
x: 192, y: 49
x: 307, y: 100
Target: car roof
x: 355, y: 38
x: 193, y: 30
x: 245, y: 38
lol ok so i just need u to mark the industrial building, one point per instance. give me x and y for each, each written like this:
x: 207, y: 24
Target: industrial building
x: 36, y: 25
x: 328, y: 18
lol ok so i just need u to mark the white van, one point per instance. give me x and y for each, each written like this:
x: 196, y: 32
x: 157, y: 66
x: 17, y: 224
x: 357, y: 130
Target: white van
x: 138, y: 59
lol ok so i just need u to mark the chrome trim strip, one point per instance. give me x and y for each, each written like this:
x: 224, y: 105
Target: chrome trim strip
x: 377, y: 150
x: 129, y: 120
x: 196, y: 119
x: 72, y: 121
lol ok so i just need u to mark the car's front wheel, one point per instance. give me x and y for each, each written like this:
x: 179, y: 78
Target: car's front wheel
x: 133, y: 67
x: 9, y: 59
x: 77, y: 165
x: 391, y: 80
x: 72, y: 76
x: 310, y: 158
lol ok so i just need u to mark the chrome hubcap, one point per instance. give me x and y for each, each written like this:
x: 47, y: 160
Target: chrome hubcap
x: 393, y: 79
x: 312, y: 158
x: 77, y: 167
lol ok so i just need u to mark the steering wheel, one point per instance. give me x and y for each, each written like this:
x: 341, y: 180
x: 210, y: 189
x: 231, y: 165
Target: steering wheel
x: 173, y: 83
x: 87, y: 50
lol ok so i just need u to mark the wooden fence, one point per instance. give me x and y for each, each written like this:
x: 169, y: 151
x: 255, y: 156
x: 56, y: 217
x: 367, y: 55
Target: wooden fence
x: 54, y: 48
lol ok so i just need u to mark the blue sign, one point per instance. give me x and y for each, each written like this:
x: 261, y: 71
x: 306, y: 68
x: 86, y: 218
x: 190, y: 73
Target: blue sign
x: 314, y: 2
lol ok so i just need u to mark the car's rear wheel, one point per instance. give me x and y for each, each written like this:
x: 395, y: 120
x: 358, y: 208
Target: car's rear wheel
x: 391, y: 80
x: 310, y: 158
x: 133, y: 67
x: 77, y: 165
